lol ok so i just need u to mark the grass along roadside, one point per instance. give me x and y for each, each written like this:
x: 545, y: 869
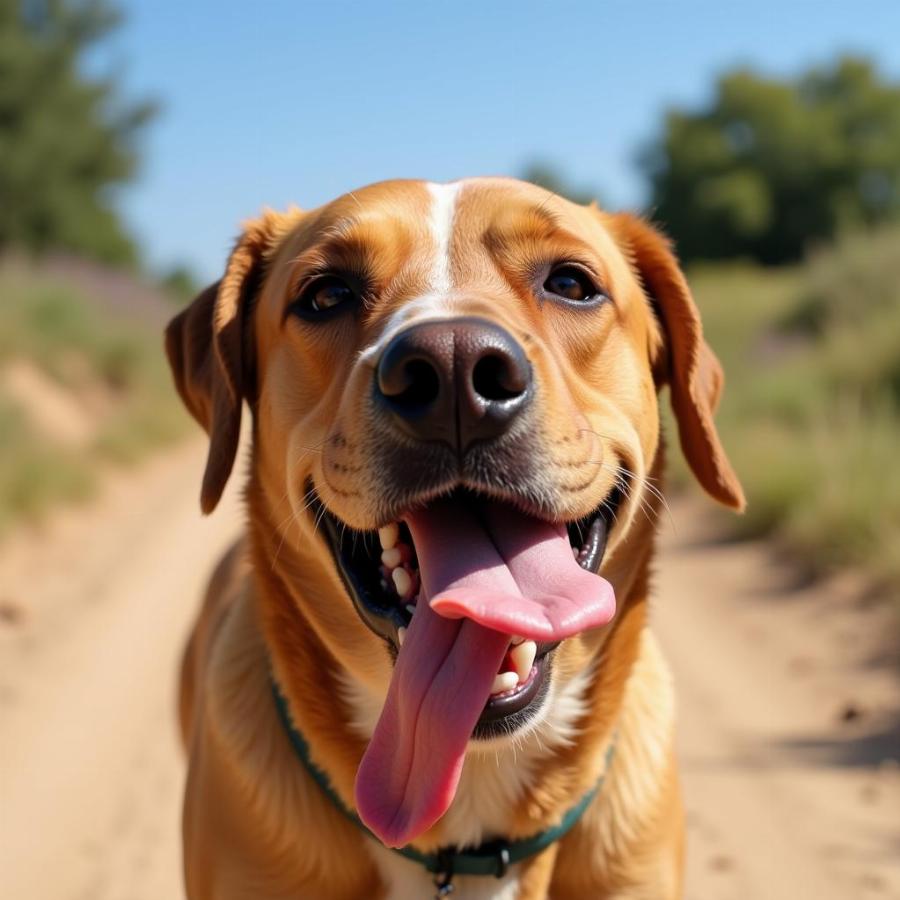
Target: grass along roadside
x: 81, y: 388
x: 811, y: 411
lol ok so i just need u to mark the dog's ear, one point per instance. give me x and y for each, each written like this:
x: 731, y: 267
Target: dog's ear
x: 687, y: 364
x: 210, y: 351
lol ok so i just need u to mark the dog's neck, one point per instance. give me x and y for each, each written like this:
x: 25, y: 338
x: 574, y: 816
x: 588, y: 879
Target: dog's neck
x: 544, y: 773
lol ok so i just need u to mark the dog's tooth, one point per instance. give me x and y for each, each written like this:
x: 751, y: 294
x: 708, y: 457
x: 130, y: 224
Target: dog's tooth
x: 522, y: 658
x: 401, y: 636
x: 515, y: 640
x: 410, y: 608
x: 402, y: 582
x: 575, y: 551
x: 391, y: 557
x: 504, y: 681
x: 389, y: 535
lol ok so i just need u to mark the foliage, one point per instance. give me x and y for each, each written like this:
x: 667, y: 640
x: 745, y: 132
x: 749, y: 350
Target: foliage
x: 180, y: 283
x: 547, y: 176
x: 66, y: 140
x: 34, y: 476
x: 110, y: 367
x: 811, y: 410
x: 771, y: 167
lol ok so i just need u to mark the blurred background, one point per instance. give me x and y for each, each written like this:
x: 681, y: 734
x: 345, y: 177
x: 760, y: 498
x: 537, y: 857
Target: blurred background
x: 135, y: 137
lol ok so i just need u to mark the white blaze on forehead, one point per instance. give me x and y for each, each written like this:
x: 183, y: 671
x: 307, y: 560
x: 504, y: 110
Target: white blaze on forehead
x: 443, y: 209
x: 434, y: 304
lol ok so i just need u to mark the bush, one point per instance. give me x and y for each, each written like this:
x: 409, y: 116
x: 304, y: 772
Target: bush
x: 112, y: 368
x: 811, y: 410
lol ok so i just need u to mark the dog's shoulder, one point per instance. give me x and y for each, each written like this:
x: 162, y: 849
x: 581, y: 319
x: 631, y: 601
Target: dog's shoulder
x: 246, y: 789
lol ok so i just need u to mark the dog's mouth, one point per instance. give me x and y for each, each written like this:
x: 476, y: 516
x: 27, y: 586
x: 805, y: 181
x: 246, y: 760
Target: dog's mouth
x: 473, y: 596
x: 380, y: 569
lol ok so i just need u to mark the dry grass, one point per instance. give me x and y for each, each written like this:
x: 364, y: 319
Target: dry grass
x: 811, y: 414
x: 108, y: 364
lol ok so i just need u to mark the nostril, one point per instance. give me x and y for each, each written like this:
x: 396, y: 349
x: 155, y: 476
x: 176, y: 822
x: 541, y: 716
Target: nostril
x: 494, y: 378
x: 422, y: 385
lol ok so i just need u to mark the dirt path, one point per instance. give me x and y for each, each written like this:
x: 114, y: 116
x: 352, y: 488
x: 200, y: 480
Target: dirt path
x: 789, y: 724
x: 91, y: 768
x: 786, y: 799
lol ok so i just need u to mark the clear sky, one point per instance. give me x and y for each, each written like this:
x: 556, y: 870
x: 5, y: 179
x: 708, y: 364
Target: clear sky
x: 273, y: 102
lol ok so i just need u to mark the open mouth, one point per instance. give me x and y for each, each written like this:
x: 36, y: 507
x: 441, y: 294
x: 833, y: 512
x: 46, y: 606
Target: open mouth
x: 380, y: 570
x: 473, y: 595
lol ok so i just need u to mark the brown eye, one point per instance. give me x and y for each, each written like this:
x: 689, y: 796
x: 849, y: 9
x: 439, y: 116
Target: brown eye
x: 324, y: 295
x: 572, y: 284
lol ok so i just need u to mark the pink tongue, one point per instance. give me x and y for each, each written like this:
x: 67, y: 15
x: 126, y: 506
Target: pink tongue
x: 486, y: 575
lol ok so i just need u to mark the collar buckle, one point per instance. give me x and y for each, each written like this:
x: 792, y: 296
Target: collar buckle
x: 443, y: 877
x: 500, y: 850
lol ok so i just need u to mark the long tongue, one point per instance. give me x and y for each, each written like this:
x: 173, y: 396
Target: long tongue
x: 487, y: 573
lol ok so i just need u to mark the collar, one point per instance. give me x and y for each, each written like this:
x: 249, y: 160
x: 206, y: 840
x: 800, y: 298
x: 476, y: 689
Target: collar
x: 491, y: 858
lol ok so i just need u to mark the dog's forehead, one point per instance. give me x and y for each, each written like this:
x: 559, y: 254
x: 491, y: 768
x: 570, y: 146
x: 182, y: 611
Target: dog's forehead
x: 450, y: 218
x: 435, y: 239
x: 433, y: 249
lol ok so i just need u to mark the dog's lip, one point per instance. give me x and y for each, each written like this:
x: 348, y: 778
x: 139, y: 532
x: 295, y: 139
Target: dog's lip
x: 501, y: 713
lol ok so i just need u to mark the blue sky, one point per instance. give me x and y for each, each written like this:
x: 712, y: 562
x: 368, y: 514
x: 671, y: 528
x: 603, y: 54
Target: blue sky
x: 272, y: 102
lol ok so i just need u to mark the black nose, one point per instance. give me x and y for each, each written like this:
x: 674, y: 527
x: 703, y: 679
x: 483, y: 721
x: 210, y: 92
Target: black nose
x: 454, y: 380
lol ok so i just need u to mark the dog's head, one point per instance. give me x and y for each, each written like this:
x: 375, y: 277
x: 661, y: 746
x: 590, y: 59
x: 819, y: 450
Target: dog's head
x: 455, y: 387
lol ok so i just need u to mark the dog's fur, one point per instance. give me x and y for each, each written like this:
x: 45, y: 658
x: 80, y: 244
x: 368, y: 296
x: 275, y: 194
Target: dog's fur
x: 255, y: 824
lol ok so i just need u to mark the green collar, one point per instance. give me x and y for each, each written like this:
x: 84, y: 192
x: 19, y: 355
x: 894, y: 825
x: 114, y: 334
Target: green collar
x: 491, y: 858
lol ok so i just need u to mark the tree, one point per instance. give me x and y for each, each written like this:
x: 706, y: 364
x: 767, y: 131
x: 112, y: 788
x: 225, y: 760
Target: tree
x: 66, y: 140
x: 547, y: 176
x: 180, y: 283
x: 769, y: 167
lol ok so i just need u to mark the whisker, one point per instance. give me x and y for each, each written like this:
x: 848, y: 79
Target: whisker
x: 292, y: 518
x: 319, y: 518
x: 646, y: 482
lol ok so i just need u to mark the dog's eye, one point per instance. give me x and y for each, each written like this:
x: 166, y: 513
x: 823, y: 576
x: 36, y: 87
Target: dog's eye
x: 572, y: 284
x: 325, y: 294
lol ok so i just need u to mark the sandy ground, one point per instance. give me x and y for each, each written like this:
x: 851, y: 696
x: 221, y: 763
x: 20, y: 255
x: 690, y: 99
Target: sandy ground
x: 788, y: 725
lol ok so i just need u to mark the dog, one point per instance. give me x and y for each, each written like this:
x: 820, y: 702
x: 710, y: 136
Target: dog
x: 427, y: 665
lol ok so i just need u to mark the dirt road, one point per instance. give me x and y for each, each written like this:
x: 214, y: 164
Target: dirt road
x: 788, y: 725
x: 91, y: 767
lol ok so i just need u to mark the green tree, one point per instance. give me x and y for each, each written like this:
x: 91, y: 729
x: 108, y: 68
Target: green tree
x: 770, y: 166
x: 66, y: 140
x: 180, y: 282
x: 548, y: 176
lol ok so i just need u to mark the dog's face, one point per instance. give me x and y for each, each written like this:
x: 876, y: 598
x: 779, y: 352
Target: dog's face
x: 455, y: 386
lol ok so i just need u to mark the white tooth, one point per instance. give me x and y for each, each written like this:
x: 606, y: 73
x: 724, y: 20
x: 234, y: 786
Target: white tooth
x: 515, y: 640
x: 402, y: 582
x: 389, y: 535
x: 522, y: 658
x: 401, y: 635
x: 575, y: 552
x: 410, y: 608
x: 503, y: 682
x: 391, y: 557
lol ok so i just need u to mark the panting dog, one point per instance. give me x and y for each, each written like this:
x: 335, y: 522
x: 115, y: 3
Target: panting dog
x: 427, y: 666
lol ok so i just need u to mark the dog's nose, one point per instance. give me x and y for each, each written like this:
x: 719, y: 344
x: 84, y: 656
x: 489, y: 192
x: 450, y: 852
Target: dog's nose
x: 454, y: 380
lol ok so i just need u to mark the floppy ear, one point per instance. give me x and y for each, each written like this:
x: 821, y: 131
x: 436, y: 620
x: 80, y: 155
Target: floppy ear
x: 210, y: 351
x: 689, y: 366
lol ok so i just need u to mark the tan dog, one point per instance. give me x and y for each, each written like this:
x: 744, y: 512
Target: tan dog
x: 472, y: 369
